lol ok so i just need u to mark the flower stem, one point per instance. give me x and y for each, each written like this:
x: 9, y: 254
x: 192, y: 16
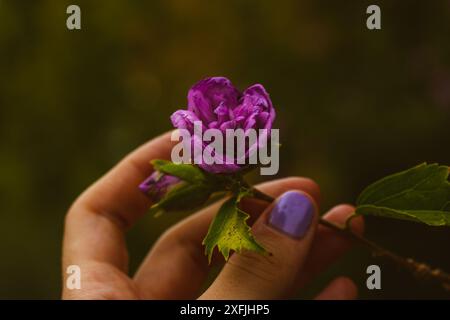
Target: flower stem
x: 418, y: 269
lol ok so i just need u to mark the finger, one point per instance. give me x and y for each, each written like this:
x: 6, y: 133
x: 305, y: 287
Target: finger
x: 95, y: 224
x: 339, y: 289
x: 286, y: 229
x: 329, y: 245
x: 116, y: 194
x: 176, y: 267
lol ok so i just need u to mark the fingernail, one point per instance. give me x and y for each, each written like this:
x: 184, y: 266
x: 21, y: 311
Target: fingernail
x: 292, y: 214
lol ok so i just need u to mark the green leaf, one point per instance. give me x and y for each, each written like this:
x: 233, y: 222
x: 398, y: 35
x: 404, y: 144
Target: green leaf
x: 420, y: 194
x: 186, y: 172
x: 191, y: 193
x: 429, y: 217
x: 184, y: 197
x: 229, y: 231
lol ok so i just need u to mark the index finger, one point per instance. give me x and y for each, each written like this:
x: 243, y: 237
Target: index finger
x: 95, y: 224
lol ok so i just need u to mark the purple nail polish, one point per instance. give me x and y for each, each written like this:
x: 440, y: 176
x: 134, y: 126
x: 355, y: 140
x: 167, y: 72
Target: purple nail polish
x: 292, y: 214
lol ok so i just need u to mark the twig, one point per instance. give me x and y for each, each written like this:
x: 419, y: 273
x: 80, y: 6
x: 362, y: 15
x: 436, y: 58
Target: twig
x: 418, y: 269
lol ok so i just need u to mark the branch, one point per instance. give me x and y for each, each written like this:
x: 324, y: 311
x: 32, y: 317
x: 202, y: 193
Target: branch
x: 418, y: 269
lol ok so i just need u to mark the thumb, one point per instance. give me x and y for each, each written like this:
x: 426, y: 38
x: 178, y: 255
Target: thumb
x: 286, y: 229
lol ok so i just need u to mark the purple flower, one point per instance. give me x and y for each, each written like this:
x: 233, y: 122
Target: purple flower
x: 157, y: 185
x: 217, y: 104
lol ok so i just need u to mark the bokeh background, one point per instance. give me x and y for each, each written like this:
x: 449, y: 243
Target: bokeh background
x: 353, y: 105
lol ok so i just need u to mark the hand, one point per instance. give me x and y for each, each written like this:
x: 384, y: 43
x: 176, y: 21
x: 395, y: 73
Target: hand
x: 176, y: 267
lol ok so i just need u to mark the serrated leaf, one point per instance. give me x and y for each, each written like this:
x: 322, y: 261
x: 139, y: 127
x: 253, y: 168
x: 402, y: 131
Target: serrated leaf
x: 186, y: 172
x: 420, y: 194
x: 429, y: 217
x: 229, y: 231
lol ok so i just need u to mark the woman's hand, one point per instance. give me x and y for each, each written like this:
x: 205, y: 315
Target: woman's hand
x: 176, y: 267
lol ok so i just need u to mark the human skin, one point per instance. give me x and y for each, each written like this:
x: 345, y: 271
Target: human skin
x: 176, y: 267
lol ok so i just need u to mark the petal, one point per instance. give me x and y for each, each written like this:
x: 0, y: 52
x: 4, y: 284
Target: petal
x: 205, y: 96
x: 270, y: 119
x: 250, y: 122
x: 257, y: 106
x: 262, y: 118
x: 157, y: 185
x: 183, y: 119
x: 228, y: 125
x: 148, y: 183
x: 213, y: 125
x: 256, y: 95
x: 222, y: 113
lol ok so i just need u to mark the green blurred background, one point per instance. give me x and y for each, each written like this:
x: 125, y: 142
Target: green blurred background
x: 353, y: 105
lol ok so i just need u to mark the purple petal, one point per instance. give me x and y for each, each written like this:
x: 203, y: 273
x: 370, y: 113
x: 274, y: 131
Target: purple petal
x: 157, y: 185
x: 213, y: 125
x: 270, y: 119
x: 222, y: 113
x: 262, y: 118
x: 219, y: 105
x: 258, y: 96
x: 228, y: 125
x: 257, y: 106
x: 250, y: 122
x: 184, y: 119
x: 205, y: 96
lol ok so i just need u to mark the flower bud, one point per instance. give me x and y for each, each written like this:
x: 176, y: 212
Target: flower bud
x: 157, y: 185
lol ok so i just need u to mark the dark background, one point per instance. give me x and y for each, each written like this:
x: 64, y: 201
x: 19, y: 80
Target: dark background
x: 353, y: 105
